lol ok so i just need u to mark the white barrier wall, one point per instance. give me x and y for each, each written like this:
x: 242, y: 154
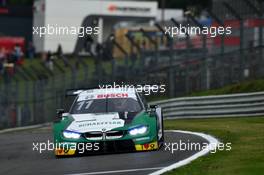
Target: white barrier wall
x: 235, y: 105
x: 71, y: 13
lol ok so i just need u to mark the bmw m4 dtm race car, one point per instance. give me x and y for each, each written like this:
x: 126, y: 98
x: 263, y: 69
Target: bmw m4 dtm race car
x: 108, y: 120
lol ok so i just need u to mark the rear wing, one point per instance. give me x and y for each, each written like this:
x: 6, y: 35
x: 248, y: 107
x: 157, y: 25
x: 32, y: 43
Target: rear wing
x: 74, y: 92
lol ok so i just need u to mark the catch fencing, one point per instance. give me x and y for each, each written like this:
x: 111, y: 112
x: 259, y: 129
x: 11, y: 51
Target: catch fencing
x: 185, y: 64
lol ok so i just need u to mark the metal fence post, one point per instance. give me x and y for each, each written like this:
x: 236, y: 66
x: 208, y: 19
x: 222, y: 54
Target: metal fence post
x: 133, y: 43
x: 259, y: 13
x: 221, y: 23
x: 152, y: 41
x: 85, y: 69
x: 125, y: 55
x: 171, y: 75
x: 241, y: 21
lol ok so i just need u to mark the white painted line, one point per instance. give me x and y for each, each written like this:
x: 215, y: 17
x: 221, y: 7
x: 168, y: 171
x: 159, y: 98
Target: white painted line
x: 119, y: 171
x: 213, y: 142
x: 23, y: 128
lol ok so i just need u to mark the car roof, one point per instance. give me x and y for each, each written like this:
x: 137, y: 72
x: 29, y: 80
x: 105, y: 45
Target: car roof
x: 109, y: 90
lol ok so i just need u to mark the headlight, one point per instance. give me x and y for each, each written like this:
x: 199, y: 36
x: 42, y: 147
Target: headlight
x: 138, y: 130
x: 71, y: 135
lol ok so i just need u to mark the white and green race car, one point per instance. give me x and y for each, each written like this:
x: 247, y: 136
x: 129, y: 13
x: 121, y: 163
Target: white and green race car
x: 108, y: 120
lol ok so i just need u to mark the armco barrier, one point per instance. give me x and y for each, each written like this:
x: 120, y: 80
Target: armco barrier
x: 235, y: 105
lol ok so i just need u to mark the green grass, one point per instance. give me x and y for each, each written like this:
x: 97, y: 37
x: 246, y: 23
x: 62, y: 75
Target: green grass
x: 243, y: 87
x: 246, y: 156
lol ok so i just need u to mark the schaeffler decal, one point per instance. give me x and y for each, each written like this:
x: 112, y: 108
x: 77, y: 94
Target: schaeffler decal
x: 95, y: 122
x: 101, y: 123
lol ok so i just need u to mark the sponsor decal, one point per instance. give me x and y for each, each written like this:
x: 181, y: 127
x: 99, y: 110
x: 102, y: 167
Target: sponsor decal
x: 61, y: 152
x: 114, y: 8
x: 4, y: 11
x: 92, y: 122
x: 87, y: 124
x: 106, y: 95
x: 147, y: 146
x: 117, y: 95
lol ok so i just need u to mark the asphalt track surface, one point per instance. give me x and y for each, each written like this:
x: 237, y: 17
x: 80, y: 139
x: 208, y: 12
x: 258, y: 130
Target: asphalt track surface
x: 17, y: 156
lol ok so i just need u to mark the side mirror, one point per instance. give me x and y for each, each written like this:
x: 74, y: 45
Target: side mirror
x: 60, y: 112
x: 152, y: 108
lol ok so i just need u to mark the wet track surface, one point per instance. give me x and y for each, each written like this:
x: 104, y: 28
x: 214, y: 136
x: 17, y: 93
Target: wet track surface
x: 17, y: 156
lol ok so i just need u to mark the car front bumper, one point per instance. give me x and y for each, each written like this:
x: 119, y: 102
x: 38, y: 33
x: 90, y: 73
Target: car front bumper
x: 106, y: 147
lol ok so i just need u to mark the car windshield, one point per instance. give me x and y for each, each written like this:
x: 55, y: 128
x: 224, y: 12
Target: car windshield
x: 106, y: 105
